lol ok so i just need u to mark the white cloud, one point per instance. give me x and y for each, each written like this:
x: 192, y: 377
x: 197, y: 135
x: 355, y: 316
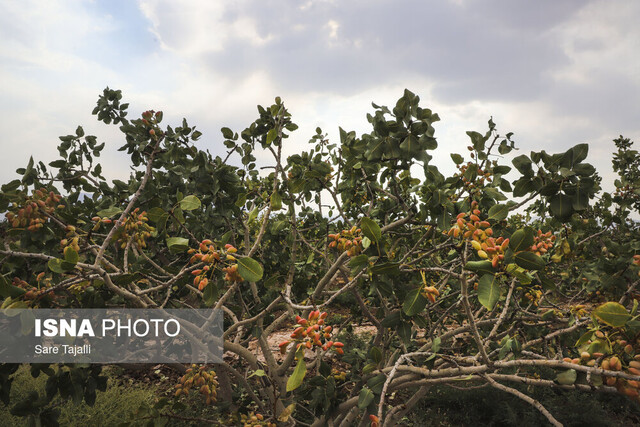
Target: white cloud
x: 599, y: 39
x: 333, y: 27
x: 197, y: 27
x: 555, y: 74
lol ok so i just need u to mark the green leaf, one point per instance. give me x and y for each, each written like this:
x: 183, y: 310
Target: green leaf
x: 190, y: 203
x: 376, y: 383
x: 576, y: 154
x: 109, y: 212
x: 125, y: 279
x: 583, y: 169
x: 357, y: 263
x: 227, y: 133
x: 599, y: 346
x: 561, y: 206
x: 444, y: 219
x: 366, y: 242
x: 457, y: 158
x: 414, y: 302
x: 392, y: 319
x: 295, y: 380
x: 523, y: 164
x: 501, y: 169
x: 584, y: 339
x: 177, y: 244
x: 404, y: 332
x: 567, y: 377
x: 369, y: 367
x: 435, y: 345
x: 612, y: 314
x: 480, y: 266
x: 59, y: 266
x: 388, y: 268
x: 253, y: 214
x: 156, y: 214
x: 249, y: 269
x: 498, y: 212
x: 58, y: 164
x: 488, y: 291
x: 258, y: 373
x: 70, y: 255
x: 521, y: 239
x: 276, y: 201
x: 365, y: 398
x: 522, y: 187
x: 271, y: 135
x: 376, y: 354
x: 494, y: 193
x: 550, y: 189
x: 9, y: 290
x: 519, y: 273
x: 371, y: 229
x: 580, y: 200
x: 529, y: 261
x: 210, y: 294
x: 241, y: 200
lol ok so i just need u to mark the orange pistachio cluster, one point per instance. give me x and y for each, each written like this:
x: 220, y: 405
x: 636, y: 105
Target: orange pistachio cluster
x: 470, y: 226
x: 312, y: 333
x: 625, y: 358
x: 542, y: 243
x: 347, y: 240
x: 255, y: 420
x: 208, y: 254
x: 202, y: 380
x: 150, y: 119
x: 429, y: 292
x: 32, y: 214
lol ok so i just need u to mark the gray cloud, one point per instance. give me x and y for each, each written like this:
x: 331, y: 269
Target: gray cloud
x: 555, y: 73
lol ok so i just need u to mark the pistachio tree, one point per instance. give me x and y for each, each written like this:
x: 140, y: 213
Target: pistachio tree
x: 515, y: 269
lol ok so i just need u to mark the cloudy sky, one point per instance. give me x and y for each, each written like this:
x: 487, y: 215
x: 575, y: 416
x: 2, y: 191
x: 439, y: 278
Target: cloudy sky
x: 556, y: 73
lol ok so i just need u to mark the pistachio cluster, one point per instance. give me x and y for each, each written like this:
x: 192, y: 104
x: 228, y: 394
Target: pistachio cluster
x: 255, y: 420
x: 625, y: 357
x: 534, y: 294
x: 312, y: 333
x: 207, y: 254
x: 347, y: 240
x: 135, y: 227
x: 202, y: 380
x: 32, y: 213
x: 339, y: 374
x: 212, y: 257
x: 98, y: 221
x: 479, y: 232
x: 542, y: 243
x: 70, y: 242
x: 474, y: 185
x: 150, y: 120
x: 34, y: 293
x: 429, y: 292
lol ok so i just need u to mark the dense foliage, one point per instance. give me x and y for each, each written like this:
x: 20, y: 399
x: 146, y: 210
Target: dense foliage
x: 516, y: 269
